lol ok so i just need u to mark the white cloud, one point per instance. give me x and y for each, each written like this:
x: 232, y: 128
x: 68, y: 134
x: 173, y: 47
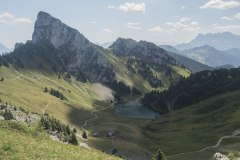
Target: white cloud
x: 6, y: 15
x: 224, y: 28
x: 93, y: 22
x: 130, y: 7
x: 237, y: 16
x: 226, y: 18
x: 111, y: 7
x: 157, y: 29
x: 22, y: 21
x: 183, y: 24
x: 107, y: 30
x: 184, y: 19
x: 219, y: 4
x: 133, y: 26
x: 183, y: 7
x: 10, y: 19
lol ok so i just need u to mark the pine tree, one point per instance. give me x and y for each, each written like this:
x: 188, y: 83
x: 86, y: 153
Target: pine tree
x: 74, y: 130
x: 84, y: 135
x: 74, y: 139
x: 45, y: 89
x: 68, y: 130
x: 159, y: 156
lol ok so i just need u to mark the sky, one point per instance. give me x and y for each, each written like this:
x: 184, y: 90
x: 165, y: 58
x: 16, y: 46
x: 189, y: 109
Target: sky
x: 158, y: 21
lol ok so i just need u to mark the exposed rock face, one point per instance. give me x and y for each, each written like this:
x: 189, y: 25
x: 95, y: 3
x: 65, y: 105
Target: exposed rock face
x: 146, y: 51
x: 77, y: 53
x: 219, y: 156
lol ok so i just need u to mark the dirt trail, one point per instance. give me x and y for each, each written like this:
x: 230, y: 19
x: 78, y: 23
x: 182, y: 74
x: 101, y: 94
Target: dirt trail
x: 234, y: 134
x: 43, y: 110
x: 112, y: 139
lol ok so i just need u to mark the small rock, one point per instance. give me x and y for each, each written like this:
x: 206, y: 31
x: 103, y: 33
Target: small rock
x: 219, y: 156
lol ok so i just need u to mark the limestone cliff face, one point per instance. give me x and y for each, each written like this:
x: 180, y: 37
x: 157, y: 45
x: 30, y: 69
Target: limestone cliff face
x: 75, y: 51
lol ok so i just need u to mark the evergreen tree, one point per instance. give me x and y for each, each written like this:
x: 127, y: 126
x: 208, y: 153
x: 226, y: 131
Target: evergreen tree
x: 74, y: 130
x: 84, y: 135
x: 159, y: 156
x: 68, y: 130
x: 45, y: 89
x: 74, y: 139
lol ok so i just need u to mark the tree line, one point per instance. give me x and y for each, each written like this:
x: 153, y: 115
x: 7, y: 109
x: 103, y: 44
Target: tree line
x: 197, y: 87
x: 64, y: 132
x: 55, y: 93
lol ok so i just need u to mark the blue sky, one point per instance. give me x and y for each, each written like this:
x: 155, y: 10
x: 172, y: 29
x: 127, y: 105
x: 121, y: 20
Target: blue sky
x: 158, y: 21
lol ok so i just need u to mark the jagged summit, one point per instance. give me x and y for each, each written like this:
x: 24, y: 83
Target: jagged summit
x: 75, y: 51
x: 56, y: 32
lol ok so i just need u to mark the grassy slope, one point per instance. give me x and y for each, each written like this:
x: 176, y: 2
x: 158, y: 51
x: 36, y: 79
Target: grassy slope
x: 26, y: 90
x: 197, y: 126
x: 135, y: 79
x: 21, y: 142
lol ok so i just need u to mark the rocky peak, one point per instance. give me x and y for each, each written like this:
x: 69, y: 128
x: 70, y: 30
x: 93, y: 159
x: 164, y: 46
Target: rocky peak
x: 122, y: 46
x: 57, y: 33
x: 75, y: 51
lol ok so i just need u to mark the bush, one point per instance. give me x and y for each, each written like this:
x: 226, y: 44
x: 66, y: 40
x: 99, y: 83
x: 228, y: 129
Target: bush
x: 159, y: 156
x: 8, y: 114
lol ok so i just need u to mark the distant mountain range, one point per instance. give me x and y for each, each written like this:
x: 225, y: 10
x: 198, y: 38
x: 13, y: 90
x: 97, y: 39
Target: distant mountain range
x: 3, y: 49
x: 207, y: 55
x: 106, y: 44
x: 214, y: 50
x: 220, y: 41
x: 189, y: 63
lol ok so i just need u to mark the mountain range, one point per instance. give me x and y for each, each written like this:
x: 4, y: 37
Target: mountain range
x: 220, y: 41
x: 73, y: 53
x: 209, y: 55
x: 67, y: 79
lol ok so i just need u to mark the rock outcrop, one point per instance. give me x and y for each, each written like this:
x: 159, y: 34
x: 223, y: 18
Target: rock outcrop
x: 76, y: 52
x: 219, y: 156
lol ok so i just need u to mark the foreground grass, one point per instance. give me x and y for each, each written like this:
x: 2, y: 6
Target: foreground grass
x: 19, y: 141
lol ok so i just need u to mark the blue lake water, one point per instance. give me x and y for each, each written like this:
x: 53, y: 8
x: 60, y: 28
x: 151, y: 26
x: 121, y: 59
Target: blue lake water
x: 134, y: 109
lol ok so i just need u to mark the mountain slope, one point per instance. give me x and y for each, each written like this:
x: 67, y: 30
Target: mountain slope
x: 220, y: 41
x: 3, y: 49
x: 150, y: 61
x: 189, y: 63
x: 76, y: 52
x: 211, y: 56
x: 194, y: 89
x: 198, y: 126
x: 19, y: 141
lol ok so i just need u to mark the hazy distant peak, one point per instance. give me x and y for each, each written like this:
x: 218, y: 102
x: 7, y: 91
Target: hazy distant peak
x: 220, y: 41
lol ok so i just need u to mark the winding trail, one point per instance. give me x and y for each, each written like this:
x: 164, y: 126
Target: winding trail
x: 112, y: 139
x: 233, y: 135
x: 86, y: 121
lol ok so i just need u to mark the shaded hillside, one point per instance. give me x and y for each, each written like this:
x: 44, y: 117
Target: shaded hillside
x: 35, y: 57
x: 197, y: 87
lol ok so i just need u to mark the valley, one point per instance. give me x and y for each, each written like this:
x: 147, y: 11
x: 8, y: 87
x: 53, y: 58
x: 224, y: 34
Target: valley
x: 126, y: 101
